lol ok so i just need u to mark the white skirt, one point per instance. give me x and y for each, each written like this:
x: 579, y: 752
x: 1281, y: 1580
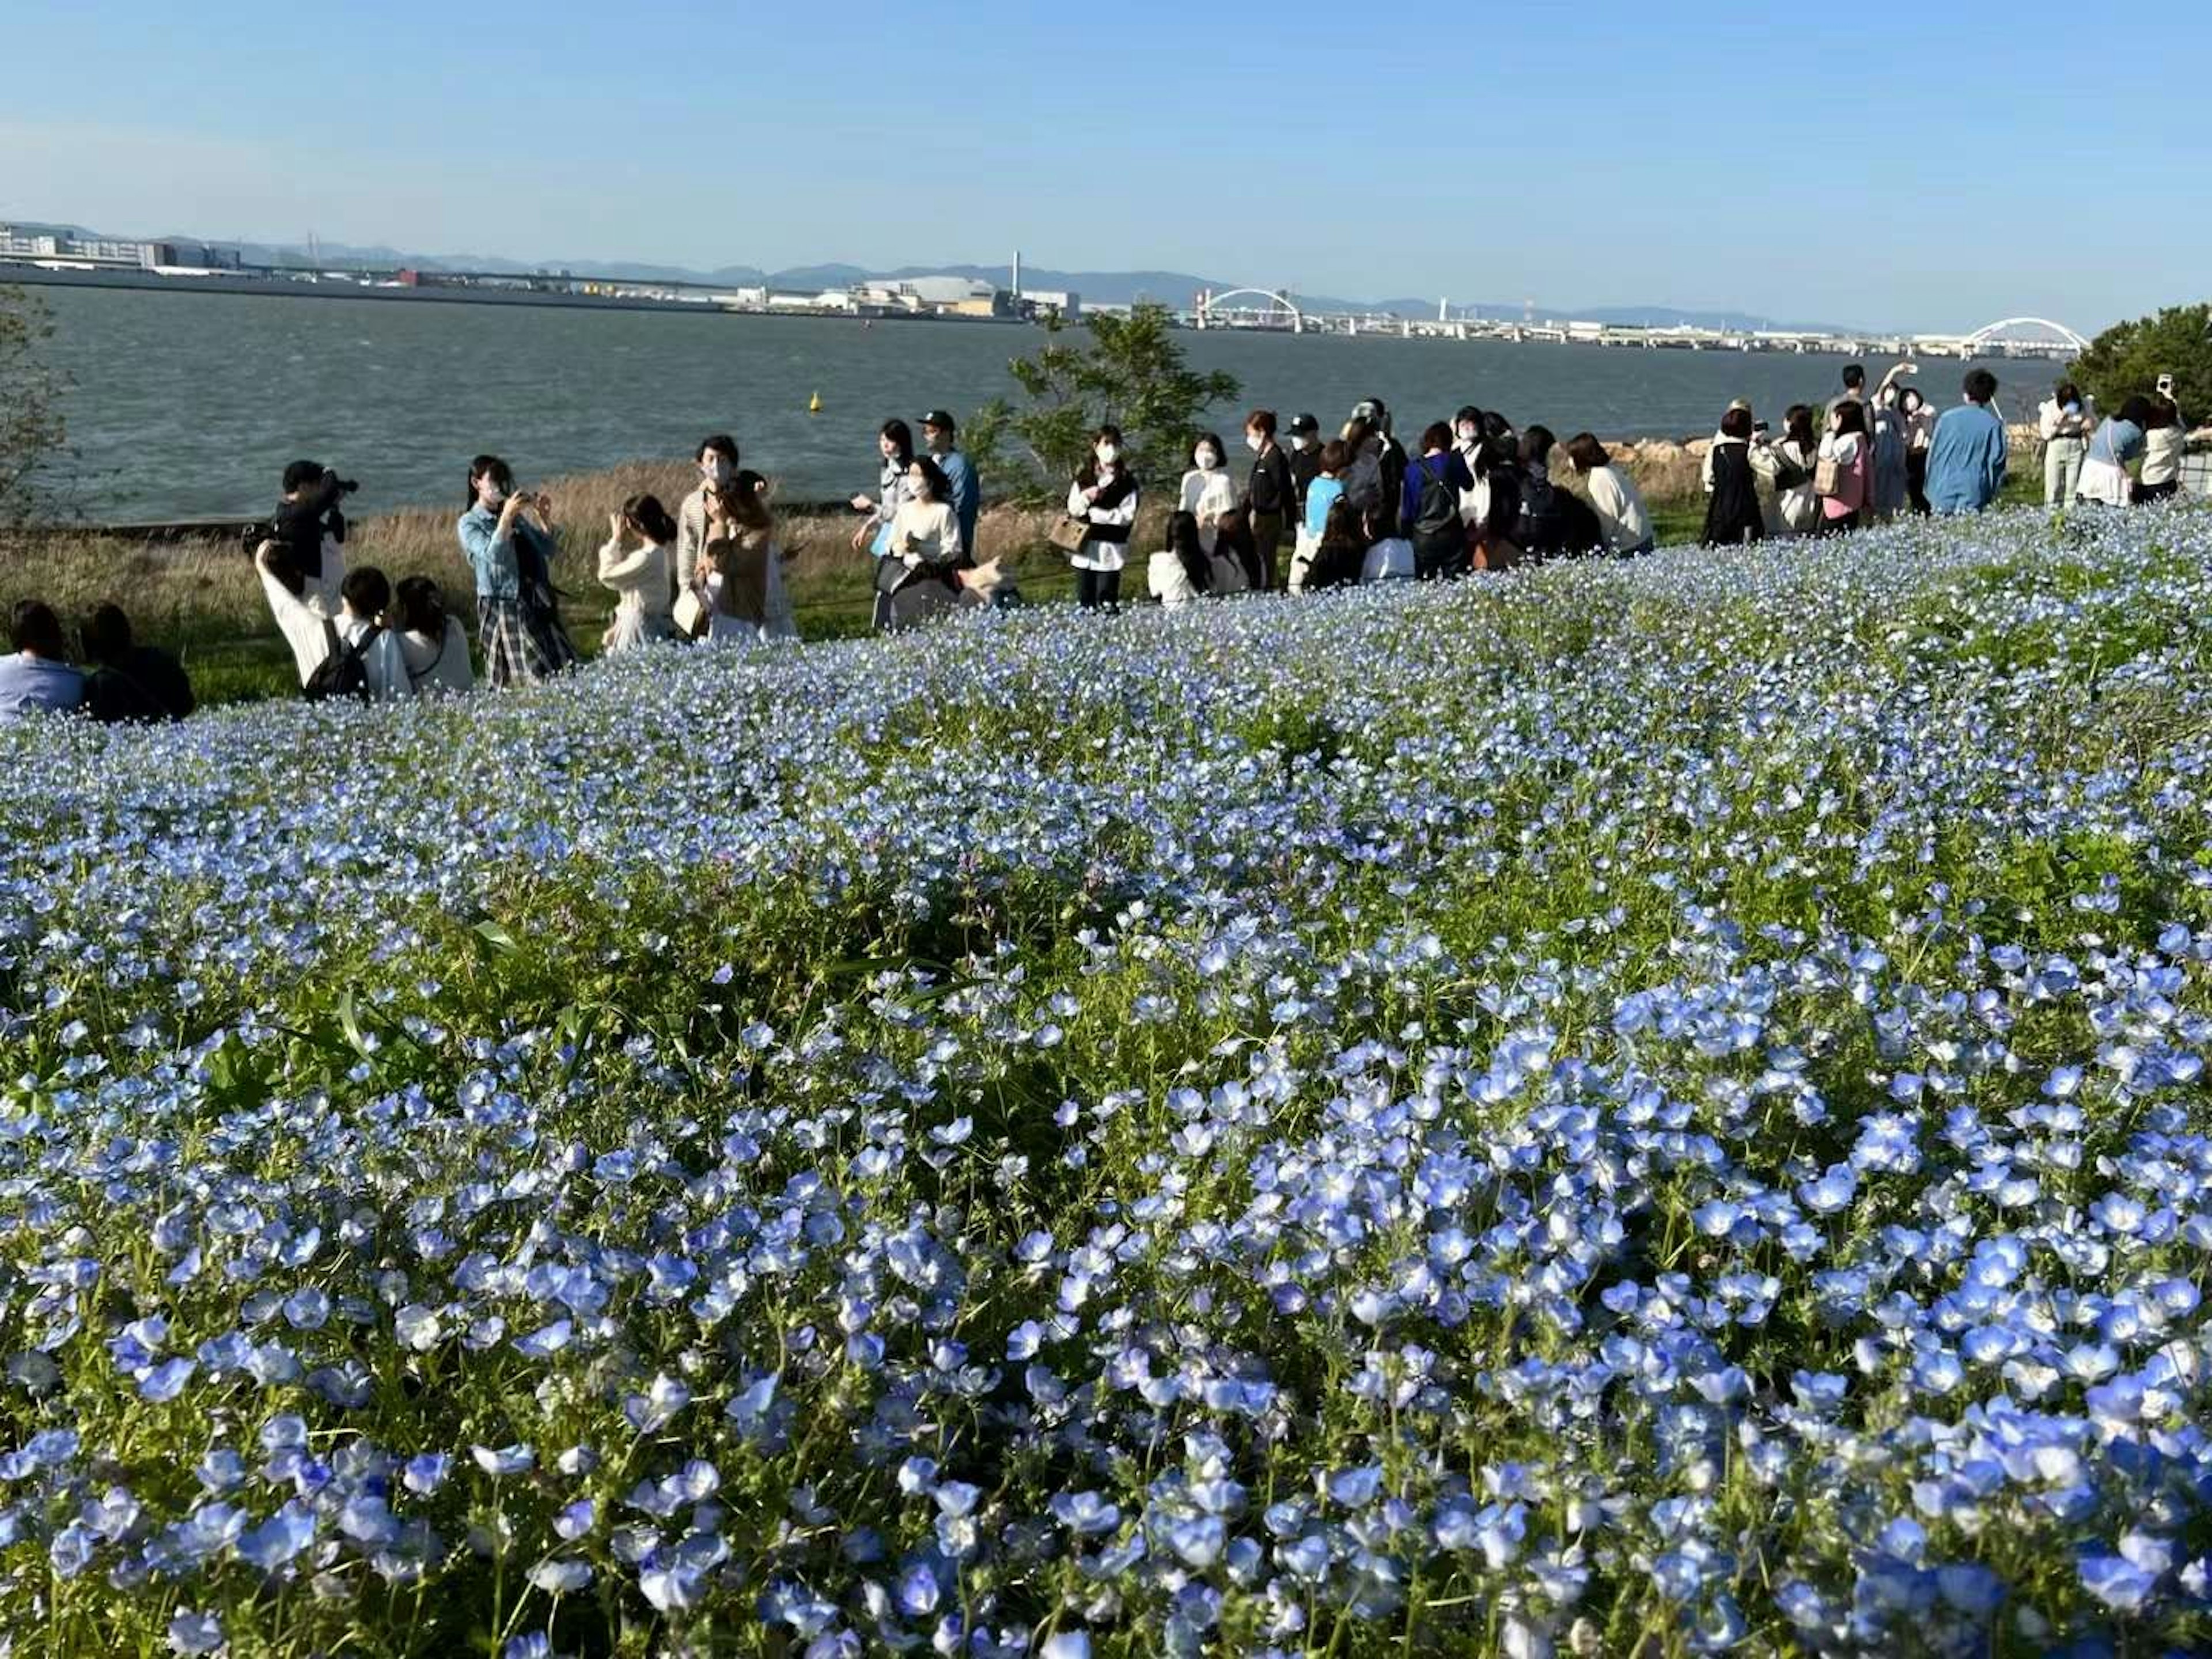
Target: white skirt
x: 2101, y: 481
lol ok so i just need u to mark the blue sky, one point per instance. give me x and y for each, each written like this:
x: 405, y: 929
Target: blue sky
x: 1933, y: 165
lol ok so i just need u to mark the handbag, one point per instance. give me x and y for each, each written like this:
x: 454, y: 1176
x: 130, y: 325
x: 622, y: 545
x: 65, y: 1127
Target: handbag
x: 690, y: 615
x: 1070, y: 533
x: 1827, y: 477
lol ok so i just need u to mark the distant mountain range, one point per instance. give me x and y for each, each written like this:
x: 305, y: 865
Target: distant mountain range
x: 1173, y: 288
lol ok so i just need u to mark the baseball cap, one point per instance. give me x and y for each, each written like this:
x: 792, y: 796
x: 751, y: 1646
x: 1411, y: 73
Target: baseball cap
x: 941, y: 418
x: 1304, y: 424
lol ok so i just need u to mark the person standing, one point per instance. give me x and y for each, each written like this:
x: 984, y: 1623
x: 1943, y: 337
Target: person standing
x: 1888, y: 486
x: 1208, y: 490
x: 129, y: 681
x: 703, y: 515
x: 1428, y: 507
x: 2062, y: 421
x: 1797, y: 504
x: 1966, y: 457
x: 894, y: 444
x: 38, y: 676
x: 1854, y: 390
x: 508, y: 538
x: 2164, y: 440
x: 1919, y: 433
x: 1624, y: 521
x: 1732, y: 511
x: 1305, y: 456
x: 2119, y: 440
x: 1104, y: 496
x: 1389, y: 459
x: 308, y: 633
x: 1272, y: 492
x: 639, y: 577
x: 1846, y: 457
x: 941, y: 438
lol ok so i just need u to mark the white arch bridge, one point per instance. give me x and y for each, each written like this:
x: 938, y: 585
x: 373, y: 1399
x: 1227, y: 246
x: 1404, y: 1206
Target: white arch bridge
x: 1280, y: 310
x: 1998, y: 333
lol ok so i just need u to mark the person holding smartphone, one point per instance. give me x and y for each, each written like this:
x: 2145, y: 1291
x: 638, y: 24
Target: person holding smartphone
x: 508, y: 536
x: 2063, y: 421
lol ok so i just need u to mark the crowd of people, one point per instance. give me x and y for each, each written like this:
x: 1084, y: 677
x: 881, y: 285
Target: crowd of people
x: 1306, y: 514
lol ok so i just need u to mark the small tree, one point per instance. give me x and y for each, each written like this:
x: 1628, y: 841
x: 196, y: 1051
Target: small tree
x: 32, y: 431
x: 2128, y: 358
x: 1132, y: 374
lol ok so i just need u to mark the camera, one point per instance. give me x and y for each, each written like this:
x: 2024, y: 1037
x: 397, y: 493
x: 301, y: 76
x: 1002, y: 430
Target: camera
x: 300, y: 522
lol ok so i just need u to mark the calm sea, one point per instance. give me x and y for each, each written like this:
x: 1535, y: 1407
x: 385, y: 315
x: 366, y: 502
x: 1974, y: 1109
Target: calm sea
x: 191, y: 404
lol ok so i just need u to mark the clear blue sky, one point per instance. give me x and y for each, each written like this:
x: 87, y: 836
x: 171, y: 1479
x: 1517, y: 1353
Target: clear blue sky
x: 1933, y: 164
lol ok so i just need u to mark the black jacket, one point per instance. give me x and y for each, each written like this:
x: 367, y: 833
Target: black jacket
x: 147, y: 684
x: 1272, y: 490
x: 1732, y: 515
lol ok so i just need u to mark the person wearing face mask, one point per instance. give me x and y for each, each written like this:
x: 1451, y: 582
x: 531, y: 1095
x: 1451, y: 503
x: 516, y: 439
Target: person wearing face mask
x: 508, y: 536
x: 894, y: 443
x: 1208, y: 491
x: 1304, y: 440
x: 1104, y: 496
x: 705, y: 512
x: 940, y: 437
x: 1272, y: 493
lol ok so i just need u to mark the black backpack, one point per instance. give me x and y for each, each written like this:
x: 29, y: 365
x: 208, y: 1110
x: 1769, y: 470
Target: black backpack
x: 1436, y: 515
x: 341, y: 673
x: 1539, y: 530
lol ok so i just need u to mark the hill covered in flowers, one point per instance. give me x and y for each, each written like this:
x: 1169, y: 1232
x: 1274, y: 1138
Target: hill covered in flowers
x: 1656, y: 1102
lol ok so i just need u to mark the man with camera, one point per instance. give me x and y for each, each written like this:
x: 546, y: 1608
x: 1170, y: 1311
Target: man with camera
x: 309, y: 531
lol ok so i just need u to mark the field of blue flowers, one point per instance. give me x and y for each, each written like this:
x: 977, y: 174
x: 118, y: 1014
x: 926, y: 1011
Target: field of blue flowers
x: 1627, y: 1109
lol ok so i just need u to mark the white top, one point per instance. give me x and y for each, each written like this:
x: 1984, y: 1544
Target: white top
x: 1208, y: 495
x: 437, y: 667
x: 1841, y: 447
x: 303, y: 628
x: 1168, y: 581
x: 1095, y: 555
x: 640, y: 577
x: 721, y: 627
x: 1619, y: 508
x: 326, y: 594
x: 923, y: 532
x: 382, y: 663
x: 2162, y: 447
x: 2052, y: 421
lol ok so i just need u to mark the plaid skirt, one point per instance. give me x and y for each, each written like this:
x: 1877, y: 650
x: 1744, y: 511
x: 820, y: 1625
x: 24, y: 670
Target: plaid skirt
x: 521, y: 643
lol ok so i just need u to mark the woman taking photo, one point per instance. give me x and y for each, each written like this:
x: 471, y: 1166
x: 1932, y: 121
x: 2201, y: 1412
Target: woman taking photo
x: 1797, y: 502
x: 1104, y: 497
x: 509, y: 539
x: 640, y: 576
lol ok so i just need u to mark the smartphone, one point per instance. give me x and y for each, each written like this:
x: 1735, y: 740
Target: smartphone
x: 2166, y: 385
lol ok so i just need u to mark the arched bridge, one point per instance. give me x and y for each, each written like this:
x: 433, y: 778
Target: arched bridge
x: 1989, y: 331
x: 1212, y: 311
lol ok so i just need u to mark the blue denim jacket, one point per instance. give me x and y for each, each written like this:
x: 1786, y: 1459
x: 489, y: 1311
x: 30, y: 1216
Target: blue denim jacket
x: 500, y: 562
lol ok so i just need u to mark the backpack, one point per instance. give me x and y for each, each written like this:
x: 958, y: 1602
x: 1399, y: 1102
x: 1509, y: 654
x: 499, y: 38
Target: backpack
x: 1436, y: 516
x: 342, y: 672
x: 1537, y: 530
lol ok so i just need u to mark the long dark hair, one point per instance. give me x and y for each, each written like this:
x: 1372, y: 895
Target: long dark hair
x: 499, y: 471
x: 1087, y: 474
x: 902, y: 437
x: 650, y: 518
x: 933, y: 480
x: 749, y: 508
x: 1851, y: 417
x: 1797, y: 426
x: 421, y: 606
x: 1190, y: 553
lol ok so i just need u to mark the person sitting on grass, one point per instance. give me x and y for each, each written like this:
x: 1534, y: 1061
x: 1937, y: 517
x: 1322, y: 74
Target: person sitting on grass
x: 1180, y: 574
x: 367, y: 596
x: 131, y: 682
x: 434, y: 648
x: 1341, y: 556
x: 1624, y: 522
x: 38, y: 676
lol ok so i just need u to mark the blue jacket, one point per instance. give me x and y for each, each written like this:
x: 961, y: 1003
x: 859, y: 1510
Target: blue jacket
x: 1967, y: 461
x: 1449, y: 467
x: 967, y: 495
x: 1322, y: 495
x: 500, y: 562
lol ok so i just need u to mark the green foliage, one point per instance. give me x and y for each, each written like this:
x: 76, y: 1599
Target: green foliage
x: 2128, y: 358
x: 32, y: 431
x: 1132, y: 374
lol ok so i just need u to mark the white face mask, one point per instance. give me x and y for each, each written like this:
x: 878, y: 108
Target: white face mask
x: 1467, y: 434
x: 1254, y: 442
x: 1298, y: 442
x: 1107, y: 454
x: 1205, y: 460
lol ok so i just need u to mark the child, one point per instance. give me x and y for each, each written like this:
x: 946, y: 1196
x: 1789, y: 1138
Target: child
x: 1326, y: 491
x: 1343, y: 550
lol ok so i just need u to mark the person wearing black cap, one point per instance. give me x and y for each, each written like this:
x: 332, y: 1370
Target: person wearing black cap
x: 1272, y: 493
x: 939, y: 433
x: 1305, y: 456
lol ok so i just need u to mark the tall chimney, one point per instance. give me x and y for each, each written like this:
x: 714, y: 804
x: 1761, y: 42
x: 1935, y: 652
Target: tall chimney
x: 1018, y: 273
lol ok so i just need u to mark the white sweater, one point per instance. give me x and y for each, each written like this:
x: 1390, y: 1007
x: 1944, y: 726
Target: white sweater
x: 640, y: 579
x: 304, y: 629
x: 1619, y: 508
